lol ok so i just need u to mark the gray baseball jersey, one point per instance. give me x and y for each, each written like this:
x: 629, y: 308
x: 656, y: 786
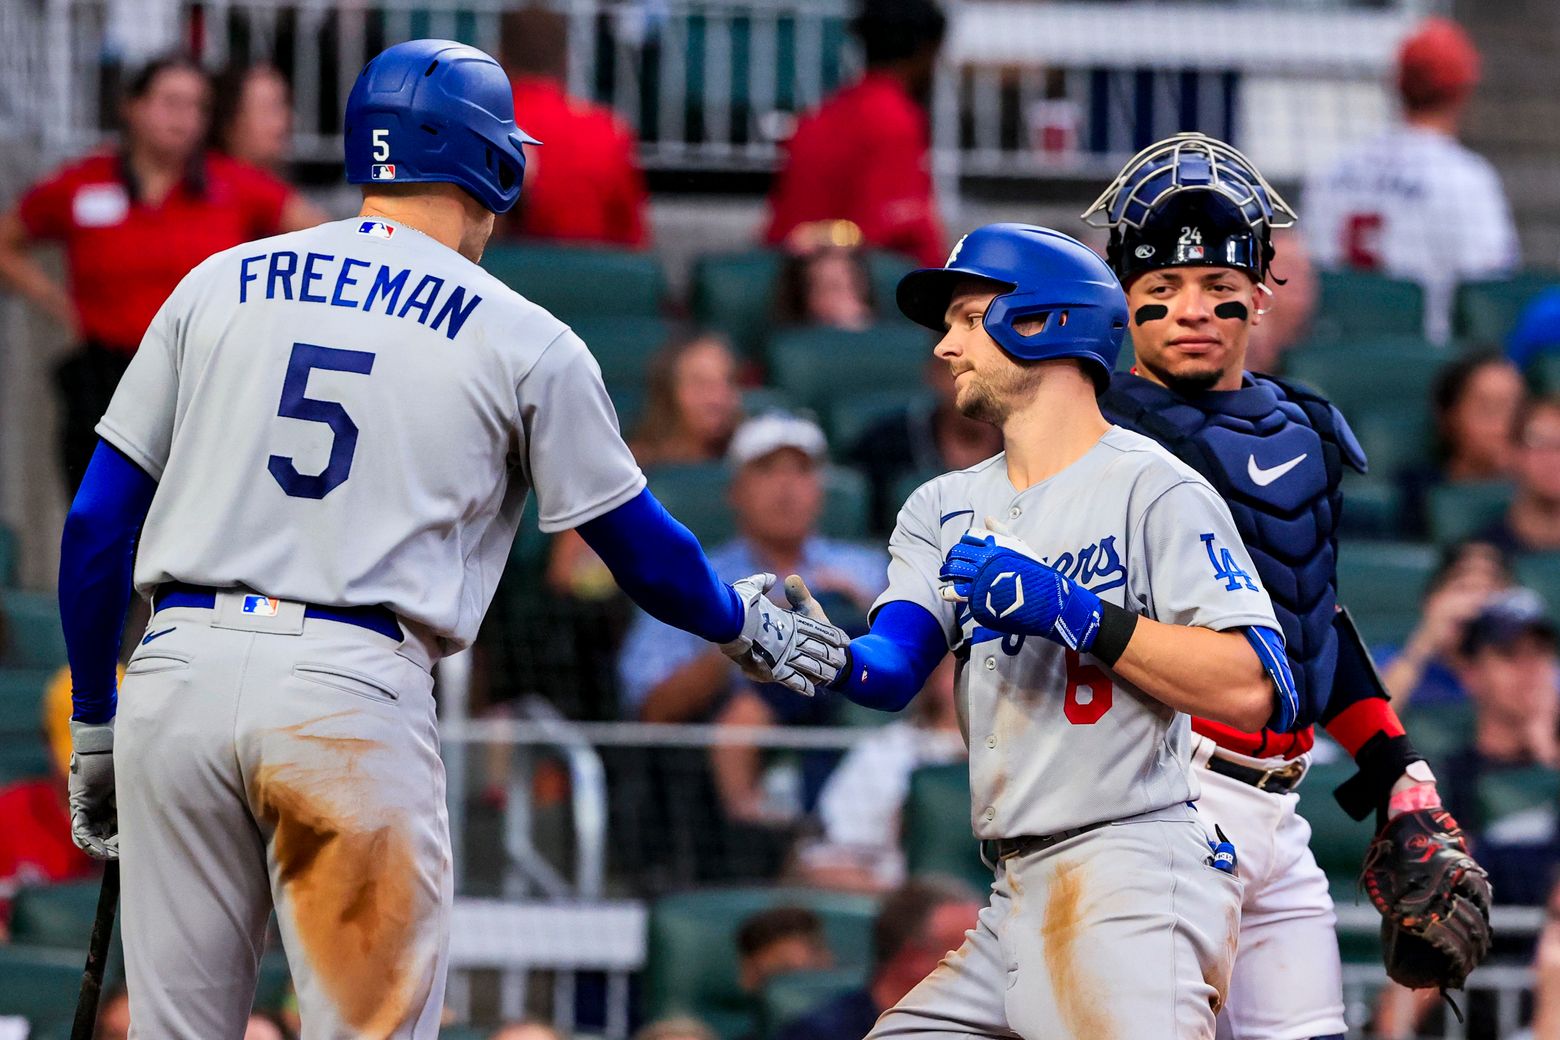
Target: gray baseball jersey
x: 1056, y: 740
x: 354, y: 415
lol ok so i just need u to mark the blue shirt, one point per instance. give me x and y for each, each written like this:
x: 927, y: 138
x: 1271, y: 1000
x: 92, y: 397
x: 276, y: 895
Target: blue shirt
x: 849, y: 1016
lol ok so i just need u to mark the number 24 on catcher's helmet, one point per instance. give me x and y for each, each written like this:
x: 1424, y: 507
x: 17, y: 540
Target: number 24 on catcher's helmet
x: 436, y: 111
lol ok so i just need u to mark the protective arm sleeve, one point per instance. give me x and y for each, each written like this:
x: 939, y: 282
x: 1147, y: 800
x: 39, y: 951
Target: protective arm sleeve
x: 1269, y: 645
x: 887, y: 667
x: 659, y: 564
x: 97, y: 556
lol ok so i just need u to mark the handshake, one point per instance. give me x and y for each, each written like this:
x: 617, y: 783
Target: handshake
x: 799, y: 648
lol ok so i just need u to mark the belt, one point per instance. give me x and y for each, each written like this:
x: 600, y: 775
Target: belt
x: 1281, y: 780
x: 376, y: 619
x: 1002, y: 848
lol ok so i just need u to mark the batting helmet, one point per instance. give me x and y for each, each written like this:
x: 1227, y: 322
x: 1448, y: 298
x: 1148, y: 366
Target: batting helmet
x: 1189, y: 201
x: 436, y: 111
x: 1041, y: 274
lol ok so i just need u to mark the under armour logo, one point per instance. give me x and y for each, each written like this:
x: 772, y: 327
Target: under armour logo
x: 770, y: 626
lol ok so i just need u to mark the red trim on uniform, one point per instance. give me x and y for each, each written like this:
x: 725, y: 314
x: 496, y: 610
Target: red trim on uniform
x: 1264, y: 744
x: 1362, y: 720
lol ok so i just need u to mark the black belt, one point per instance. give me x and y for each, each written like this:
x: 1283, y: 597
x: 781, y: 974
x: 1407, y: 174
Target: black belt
x: 1281, y: 780
x: 1024, y: 844
x: 375, y: 619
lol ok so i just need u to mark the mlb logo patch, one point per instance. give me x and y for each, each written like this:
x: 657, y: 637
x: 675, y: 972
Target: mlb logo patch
x: 261, y: 606
x: 376, y: 228
x: 1194, y: 252
x: 383, y: 172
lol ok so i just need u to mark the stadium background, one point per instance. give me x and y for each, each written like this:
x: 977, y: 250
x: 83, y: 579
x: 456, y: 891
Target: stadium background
x: 588, y: 895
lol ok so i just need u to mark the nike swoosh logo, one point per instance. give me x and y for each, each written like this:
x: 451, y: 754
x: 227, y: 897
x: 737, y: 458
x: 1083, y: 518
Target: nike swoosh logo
x: 153, y: 635
x: 1263, y: 477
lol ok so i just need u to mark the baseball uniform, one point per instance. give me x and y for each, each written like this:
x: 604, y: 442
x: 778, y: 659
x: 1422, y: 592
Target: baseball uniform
x: 344, y: 424
x: 1108, y: 919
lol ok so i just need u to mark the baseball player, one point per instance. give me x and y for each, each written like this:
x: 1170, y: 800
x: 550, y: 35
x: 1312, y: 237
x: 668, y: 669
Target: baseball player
x: 324, y: 445
x: 1190, y: 219
x: 1107, y: 596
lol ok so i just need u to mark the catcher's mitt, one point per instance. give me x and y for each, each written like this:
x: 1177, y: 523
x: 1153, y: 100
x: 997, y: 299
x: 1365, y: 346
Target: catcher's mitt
x: 1434, y: 900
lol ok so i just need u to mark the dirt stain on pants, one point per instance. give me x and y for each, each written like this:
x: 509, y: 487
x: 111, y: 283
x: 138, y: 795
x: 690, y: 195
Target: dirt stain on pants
x: 1072, y: 983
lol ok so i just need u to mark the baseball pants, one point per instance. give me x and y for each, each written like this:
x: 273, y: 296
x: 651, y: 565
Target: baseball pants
x: 287, y: 762
x: 1118, y: 933
x: 1288, y: 982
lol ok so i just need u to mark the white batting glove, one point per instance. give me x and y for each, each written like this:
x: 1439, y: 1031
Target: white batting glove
x: 784, y: 646
x: 94, y: 818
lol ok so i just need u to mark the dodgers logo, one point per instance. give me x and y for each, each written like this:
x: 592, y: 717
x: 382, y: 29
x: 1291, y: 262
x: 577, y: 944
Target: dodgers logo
x: 955, y: 254
x: 1096, y: 567
x: 1225, y: 568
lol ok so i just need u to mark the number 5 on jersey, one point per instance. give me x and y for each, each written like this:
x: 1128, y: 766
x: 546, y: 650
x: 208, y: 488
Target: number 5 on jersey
x: 296, y: 404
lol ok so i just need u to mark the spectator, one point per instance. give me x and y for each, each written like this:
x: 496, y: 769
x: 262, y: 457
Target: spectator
x: 680, y: 1028
x: 133, y: 222
x: 584, y: 184
x: 1287, y: 319
x: 779, y: 940
x: 1532, y: 522
x: 35, y: 842
x: 865, y: 154
x: 1507, y: 663
x: 1414, y: 203
x: 113, y: 1015
x: 861, y: 801
x: 824, y: 280
x: 526, y: 1031
x: 252, y: 117
x: 1423, y: 671
x: 924, y: 439
x: 917, y: 926
x: 1475, y: 400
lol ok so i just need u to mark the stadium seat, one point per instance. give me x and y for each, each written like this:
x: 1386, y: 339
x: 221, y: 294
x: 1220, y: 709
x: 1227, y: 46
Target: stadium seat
x: 1355, y: 304
x: 691, y: 957
x: 885, y: 270
x: 1506, y: 792
x: 937, y: 837
x: 735, y: 293
x: 849, y: 417
x: 818, y: 366
x: 1541, y: 573
x: 1484, y: 313
x: 696, y: 495
x: 33, y: 622
x: 1381, y: 583
x: 1395, y: 435
x: 622, y: 345
x: 55, y: 915
x: 757, y: 400
x: 21, y: 704
x: 795, y: 993
x: 1338, y: 842
x: 1544, y: 372
x: 576, y: 282
x: 23, y: 759
x: 1438, y: 729
x: 1361, y: 376
x: 847, y: 504
x: 39, y: 983
x: 1458, y: 511
x: 1372, y: 507
x: 7, y: 557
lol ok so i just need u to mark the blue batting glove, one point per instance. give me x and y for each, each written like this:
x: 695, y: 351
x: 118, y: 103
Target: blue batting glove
x: 1009, y: 590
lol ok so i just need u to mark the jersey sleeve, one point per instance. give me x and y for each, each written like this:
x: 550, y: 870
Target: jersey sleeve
x: 44, y: 209
x: 915, y: 556
x: 574, y: 452
x: 1190, y: 567
x: 140, y: 418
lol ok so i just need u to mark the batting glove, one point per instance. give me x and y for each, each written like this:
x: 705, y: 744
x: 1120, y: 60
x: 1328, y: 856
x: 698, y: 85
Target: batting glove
x: 784, y: 646
x: 1009, y: 590
x: 94, y: 818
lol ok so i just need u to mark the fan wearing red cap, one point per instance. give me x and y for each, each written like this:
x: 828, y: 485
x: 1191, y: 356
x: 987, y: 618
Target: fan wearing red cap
x: 1414, y: 202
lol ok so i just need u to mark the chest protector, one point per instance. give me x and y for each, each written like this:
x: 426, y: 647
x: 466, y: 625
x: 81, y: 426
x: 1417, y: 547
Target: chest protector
x: 1275, y: 452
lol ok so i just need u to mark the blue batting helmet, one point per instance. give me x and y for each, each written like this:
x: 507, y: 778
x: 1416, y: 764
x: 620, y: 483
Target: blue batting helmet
x: 436, y: 111
x: 1189, y: 201
x: 1040, y: 274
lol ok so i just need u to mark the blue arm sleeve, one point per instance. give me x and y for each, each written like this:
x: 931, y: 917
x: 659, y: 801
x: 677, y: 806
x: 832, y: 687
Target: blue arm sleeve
x: 889, y: 665
x: 1269, y: 645
x: 97, y: 555
x: 659, y: 564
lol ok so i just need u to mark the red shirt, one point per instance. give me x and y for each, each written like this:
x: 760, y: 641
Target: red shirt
x: 124, y: 256
x: 863, y: 156
x: 583, y: 183
x: 35, y: 845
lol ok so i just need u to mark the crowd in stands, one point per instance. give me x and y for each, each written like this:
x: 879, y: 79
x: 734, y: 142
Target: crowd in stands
x: 198, y: 170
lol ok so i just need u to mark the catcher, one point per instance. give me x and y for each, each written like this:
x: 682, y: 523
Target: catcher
x: 1190, y: 221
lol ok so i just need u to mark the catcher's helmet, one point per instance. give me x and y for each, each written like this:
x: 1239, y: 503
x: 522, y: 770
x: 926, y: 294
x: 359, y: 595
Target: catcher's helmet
x: 1189, y: 201
x: 1040, y: 274
x: 436, y: 111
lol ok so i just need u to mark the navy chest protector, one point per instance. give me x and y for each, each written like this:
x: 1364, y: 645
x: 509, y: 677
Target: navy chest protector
x: 1275, y: 452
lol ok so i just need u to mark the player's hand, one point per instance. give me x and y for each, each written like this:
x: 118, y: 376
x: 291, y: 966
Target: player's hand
x: 1008, y: 589
x: 94, y: 818
x: 784, y: 646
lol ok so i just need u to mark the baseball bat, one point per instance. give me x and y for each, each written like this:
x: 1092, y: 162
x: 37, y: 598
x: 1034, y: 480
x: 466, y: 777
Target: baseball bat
x: 97, y: 955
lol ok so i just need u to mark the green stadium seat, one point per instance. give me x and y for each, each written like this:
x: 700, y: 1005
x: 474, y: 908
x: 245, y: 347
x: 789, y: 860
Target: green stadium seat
x: 696, y: 495
x: 1372, y: 507
x: 21, y: 702
x: 847, y: 503
x: 55, y: 915
x: 795, y: 993
x: 39, y: 983
x: 1355, y: 304
x: 22, y: 759
x: 1337, y: 840
x: 1360, y: 377
x: 1438, y: 729
x: 1544, y: 372
x: 1458, y: 511
x: 1506, y: 792
x: 758, y: 400
x: 1381, y: 583
x: 1484, y: 313
x: 850, y: 417
x: 818, y: 366
x: 8, y: 553
x: 577, y: 282
x: 1541, y: 573
x: 936, y: 836
x: 885, y: 271
x: 691, y: 959
x: 622, y: 345
x: 1395, y: 437
x: 735, y: 293
x: 33, y: 621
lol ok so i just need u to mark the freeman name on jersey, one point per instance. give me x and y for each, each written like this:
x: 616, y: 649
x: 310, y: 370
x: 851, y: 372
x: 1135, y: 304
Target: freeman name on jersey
x: 345, y: 281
